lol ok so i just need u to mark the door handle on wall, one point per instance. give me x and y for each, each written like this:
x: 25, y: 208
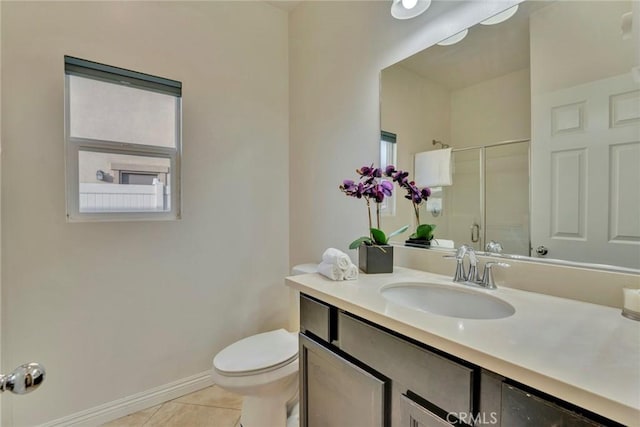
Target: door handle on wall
x: 475, y: 231
x: 24, y: 379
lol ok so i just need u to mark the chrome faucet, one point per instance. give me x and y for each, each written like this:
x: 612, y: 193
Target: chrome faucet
x: 472, y: 277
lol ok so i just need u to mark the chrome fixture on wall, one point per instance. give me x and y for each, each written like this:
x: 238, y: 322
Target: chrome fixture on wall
x: 24, y: 379
x: 442, y: 144
x: 493, y: 247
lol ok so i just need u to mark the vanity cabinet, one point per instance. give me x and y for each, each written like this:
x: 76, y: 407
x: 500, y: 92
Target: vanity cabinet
x: 445, y: 383
x: 356, y: 373
x: 335, y: 391
x: 521, y: 408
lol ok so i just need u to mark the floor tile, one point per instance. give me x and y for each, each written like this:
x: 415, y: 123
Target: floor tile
x: 213, y: 396
x: 164, y: 414
x: 182, y: 415
x: 136, y: 419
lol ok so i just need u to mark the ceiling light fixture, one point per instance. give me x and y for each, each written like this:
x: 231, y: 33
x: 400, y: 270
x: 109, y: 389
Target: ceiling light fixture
x: 407, y: 9
x: 501, y: 17
x: 454, y: 38
x: 409, y: 4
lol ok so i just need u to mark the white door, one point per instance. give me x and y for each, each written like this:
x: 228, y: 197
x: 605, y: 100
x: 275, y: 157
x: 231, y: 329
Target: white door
x: 585, y: 174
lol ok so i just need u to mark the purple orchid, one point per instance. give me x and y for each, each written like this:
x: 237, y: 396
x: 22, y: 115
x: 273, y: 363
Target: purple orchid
x: 415, y: 194
x: 370, y: 187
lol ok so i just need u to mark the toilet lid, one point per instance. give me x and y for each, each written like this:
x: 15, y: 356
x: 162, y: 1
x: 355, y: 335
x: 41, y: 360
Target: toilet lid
x: 262, y: 352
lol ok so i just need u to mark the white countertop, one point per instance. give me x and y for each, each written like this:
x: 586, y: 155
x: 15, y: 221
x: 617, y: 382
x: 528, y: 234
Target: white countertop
x: 583, y: 353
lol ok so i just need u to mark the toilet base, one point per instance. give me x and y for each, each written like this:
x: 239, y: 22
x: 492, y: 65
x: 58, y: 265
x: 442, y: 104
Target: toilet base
x: 268, y: 410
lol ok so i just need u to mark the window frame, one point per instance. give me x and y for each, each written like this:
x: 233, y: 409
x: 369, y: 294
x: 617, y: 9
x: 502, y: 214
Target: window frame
x: 73, y: 145
x: 388, y: 207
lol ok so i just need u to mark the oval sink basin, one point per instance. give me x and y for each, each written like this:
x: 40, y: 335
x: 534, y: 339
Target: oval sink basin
x: 447, y: 301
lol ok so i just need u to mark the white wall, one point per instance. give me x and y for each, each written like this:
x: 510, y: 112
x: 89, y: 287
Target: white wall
x: 562, y: 54
x: 112, y: 309
x: 493, y: 111
x: 337, y: 50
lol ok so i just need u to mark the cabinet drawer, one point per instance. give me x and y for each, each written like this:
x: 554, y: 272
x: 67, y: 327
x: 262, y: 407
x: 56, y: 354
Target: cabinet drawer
x: 414, y: 415
x: 523, y: 409
x: 442, y: 382
x: 314, y: 317
x: 335, y: 392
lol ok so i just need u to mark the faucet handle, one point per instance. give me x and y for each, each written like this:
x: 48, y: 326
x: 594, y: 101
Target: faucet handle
x: 462, y: 251
x: 459, y: 275
x: 487, y: 276
x: 473, y: 275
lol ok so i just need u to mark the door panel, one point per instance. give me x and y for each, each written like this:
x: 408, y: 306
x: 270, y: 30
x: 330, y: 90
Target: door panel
x: 335, y: 392
x: 585, y: 179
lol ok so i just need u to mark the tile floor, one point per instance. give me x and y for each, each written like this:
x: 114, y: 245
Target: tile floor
x: 209, y: 407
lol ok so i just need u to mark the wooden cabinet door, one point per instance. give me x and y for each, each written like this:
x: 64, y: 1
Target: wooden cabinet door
x: 335, y: 392
x: 414, y: 415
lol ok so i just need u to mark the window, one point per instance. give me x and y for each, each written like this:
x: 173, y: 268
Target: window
x: 123, y: 143
x: 388, y: 157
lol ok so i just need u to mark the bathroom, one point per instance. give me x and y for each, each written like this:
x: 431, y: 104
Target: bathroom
x: 280, y: 103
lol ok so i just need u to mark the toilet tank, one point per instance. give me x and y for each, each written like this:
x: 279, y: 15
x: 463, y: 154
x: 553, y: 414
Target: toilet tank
x: 304, y: 269
x: 294, y: 295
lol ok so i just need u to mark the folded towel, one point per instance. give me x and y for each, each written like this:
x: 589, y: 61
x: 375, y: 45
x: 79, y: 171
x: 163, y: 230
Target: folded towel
x: 433, y: 168
x: 332, y: 271
x: 351, y: 273
x: 337, y: 257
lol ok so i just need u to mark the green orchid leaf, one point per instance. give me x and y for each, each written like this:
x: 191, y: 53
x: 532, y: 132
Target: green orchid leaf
x: 359, y: 241
x: 424, y: 231
x: 398, y: 231
x: 379, y: 237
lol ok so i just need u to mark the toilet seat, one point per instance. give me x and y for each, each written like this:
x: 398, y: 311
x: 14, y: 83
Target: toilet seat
x: 257, y: 354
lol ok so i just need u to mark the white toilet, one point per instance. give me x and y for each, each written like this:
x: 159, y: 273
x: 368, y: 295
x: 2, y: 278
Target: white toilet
x: 263, y: 368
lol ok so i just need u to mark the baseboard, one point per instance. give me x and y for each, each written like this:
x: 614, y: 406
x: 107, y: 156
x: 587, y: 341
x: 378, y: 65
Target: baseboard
x: 134, y: 403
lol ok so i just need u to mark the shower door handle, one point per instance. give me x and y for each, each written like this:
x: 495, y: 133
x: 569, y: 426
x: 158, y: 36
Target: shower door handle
x: 475, y: 233
x: 24, y: 379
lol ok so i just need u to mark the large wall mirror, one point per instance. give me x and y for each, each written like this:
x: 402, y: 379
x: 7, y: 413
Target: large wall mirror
x: 542, y: 114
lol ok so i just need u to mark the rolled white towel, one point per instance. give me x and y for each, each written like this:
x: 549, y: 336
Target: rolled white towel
x: 337, y: 257
x: 332, y: 271
x: 351, y: 273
